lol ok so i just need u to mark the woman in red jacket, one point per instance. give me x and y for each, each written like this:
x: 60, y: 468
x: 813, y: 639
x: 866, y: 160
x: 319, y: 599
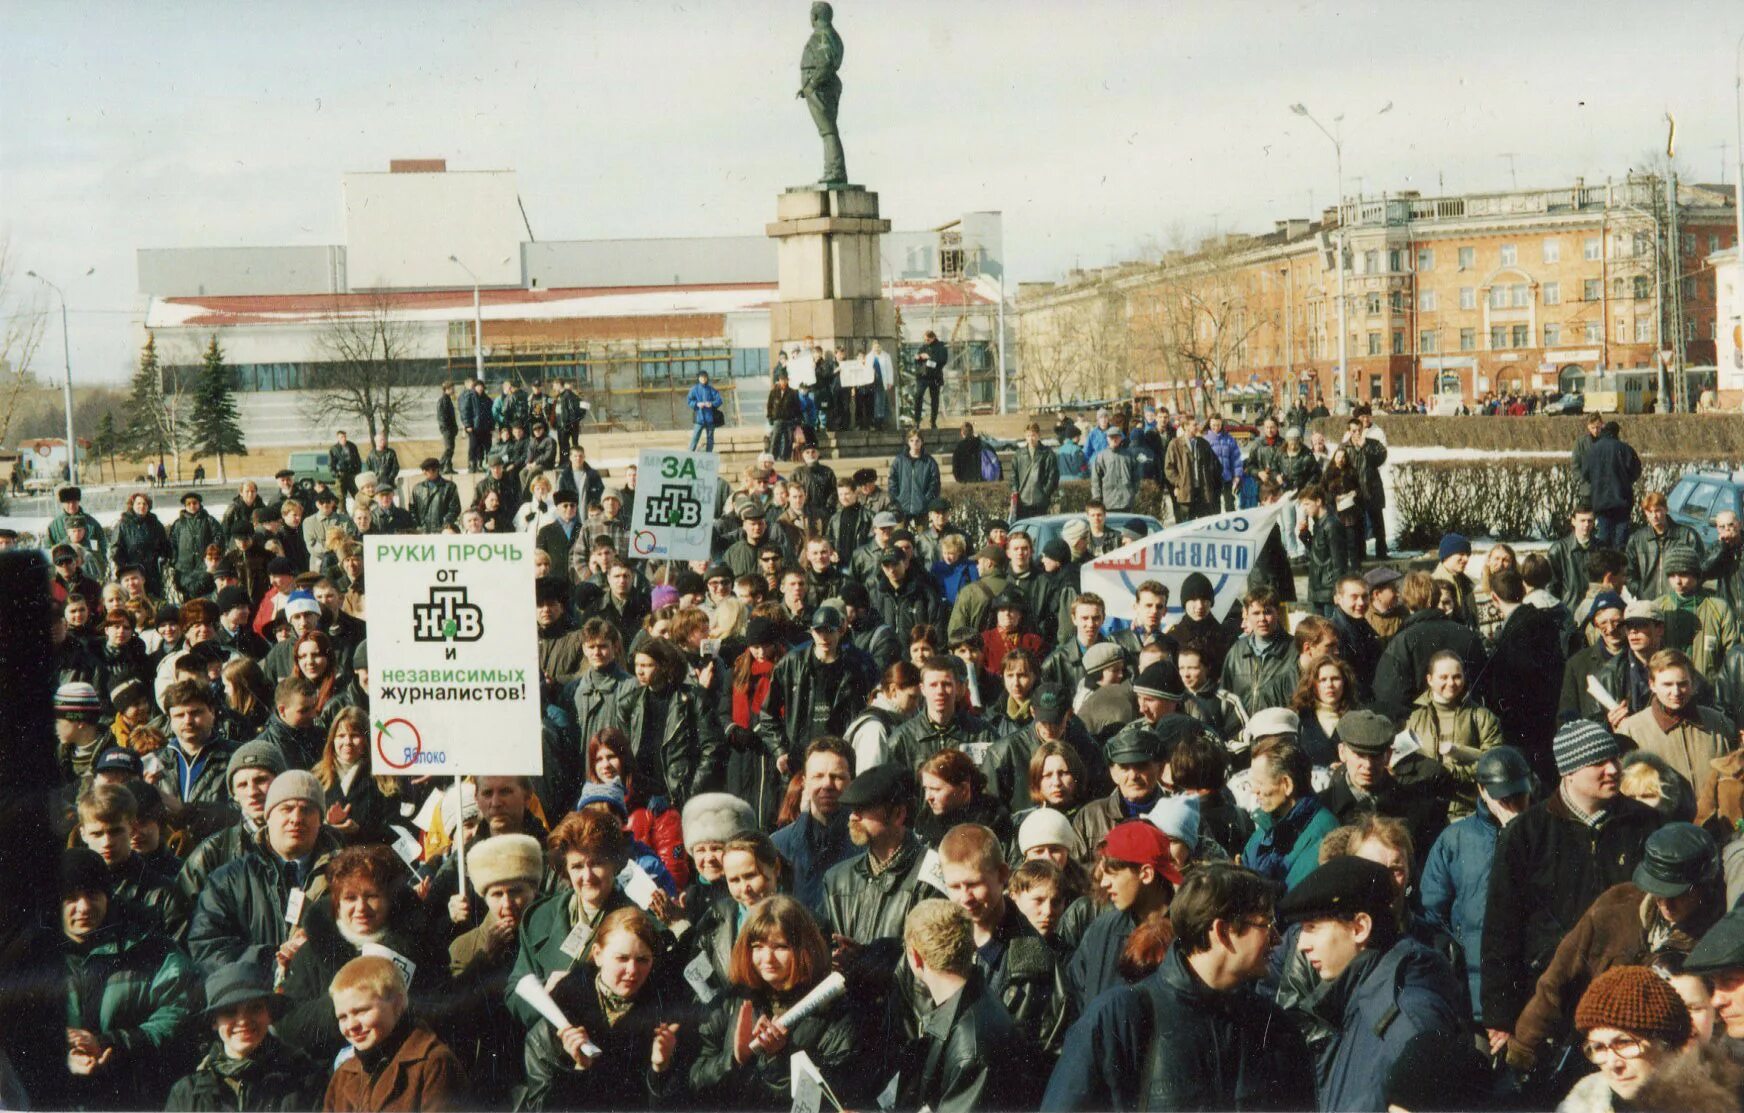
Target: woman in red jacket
x: 651, y: 820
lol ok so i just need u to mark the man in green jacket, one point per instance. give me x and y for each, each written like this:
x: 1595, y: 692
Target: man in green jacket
x: 1035, y: 475
x: 1697, y: 620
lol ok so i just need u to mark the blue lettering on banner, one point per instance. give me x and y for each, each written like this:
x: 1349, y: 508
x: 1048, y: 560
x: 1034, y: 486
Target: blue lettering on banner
x: 1202, y: 555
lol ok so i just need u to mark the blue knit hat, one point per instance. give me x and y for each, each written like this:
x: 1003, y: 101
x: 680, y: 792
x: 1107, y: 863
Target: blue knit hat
x: 1454, y: 543
x: 1606, y: 600
x: 1582, y: 742
x: 606, y: 792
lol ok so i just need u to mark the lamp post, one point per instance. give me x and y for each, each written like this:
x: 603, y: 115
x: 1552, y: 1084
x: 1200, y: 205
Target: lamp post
x: 1738, y: 182
x: 1336, y: 137
x: 67, y: 385
x: 477, y: 321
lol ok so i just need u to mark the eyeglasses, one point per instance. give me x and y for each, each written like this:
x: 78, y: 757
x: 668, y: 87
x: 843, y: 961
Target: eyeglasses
x: 1265, y: 922
x: 1623, y: 1047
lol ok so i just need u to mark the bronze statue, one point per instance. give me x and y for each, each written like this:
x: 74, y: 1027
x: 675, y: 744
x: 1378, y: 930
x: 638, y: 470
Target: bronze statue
x: 822, y: 89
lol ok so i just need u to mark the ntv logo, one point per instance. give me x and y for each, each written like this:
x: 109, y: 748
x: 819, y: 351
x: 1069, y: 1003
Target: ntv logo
x: 447, y: 617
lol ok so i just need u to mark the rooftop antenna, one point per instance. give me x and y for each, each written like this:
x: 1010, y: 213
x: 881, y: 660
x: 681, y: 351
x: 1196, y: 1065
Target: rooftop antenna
x: 1513, y: 181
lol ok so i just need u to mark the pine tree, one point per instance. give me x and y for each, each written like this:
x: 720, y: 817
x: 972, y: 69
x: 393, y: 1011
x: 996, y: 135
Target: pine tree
x: 217, y: 427
x: 107, y: 442
x: 145, y: 433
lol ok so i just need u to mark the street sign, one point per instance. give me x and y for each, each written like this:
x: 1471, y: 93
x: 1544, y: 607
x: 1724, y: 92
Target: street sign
x: 674, y: 514
x: 454, y: 657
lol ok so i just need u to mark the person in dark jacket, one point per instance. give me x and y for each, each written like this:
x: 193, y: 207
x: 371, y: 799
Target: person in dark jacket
x: 1611, y: 469
x: 448, y: 425
x: 1379, y: 989
x: 1416, y: 788
x: 189, y: 535
x: 818, y: 838
x: 902, y: 595
x: 966, y: 456
x: 129, y: 993
x: 1260, y: 669
x: 1552, y: 863
x: 1404, y: 664
x: 1529, y: 642
x: 817, y: 690
x: 783, y: 413
x: 1568, y: 556
x: 867, y: 896
x: 914, y: 478
x: 1330, y: 553
x: 1035, y: 474
x: 477, y: 422
x: 344, y: 461
x: 436, y: 501
x: 929, y: 374
x: 1193, y: 1034
x: 247, y: 1068
x: 676, y: 736
x: 1138, y: 877
x: 1648, y: 547
x: 744, y: 1056
x: 140, y: 538
x: 969, y: 1055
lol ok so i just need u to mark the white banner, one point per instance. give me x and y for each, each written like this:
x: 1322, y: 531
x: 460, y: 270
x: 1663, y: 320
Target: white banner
x: 855, y: 372
x: 801, y: 371
x: 673, y: 518
x: 454, y: 657
x: 1226, y: 548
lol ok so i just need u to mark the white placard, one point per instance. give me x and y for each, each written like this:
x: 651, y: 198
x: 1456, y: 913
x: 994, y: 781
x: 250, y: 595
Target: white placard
x: 405, y: 965
x: 801, y: 371
x: 637, y: 885
x: 1600, y: 696
x: 294, y: 907
x: 697, y: 973
x: 673, y: 517
x: 932, y: 871
x: 453, y: 645
x: 855, y: 372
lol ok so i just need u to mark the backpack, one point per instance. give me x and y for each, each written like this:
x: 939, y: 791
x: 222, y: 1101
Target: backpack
x: 991, y: 472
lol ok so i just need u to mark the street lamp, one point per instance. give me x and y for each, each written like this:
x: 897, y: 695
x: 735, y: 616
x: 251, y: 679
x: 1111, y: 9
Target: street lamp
x: 477, y: 321
x: 1336, y: 136
x: 67, y: 386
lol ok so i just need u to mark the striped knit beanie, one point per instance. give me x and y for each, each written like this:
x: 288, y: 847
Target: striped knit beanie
x: 78, y: 702
x: 1634, y: 999
x: 1580, y: 743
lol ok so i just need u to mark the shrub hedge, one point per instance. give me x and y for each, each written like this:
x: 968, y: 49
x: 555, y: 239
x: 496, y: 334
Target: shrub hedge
x: 1711, y: 436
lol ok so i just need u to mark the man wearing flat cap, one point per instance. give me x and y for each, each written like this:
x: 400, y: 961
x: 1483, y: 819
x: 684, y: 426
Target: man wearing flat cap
x: 868, y: 896
x: 1674, y: 897
x: 1369, y: 780
x: 1552, y: 863
x: 1135, y: 758
x: 435, y: 500
x: 1397, y: 988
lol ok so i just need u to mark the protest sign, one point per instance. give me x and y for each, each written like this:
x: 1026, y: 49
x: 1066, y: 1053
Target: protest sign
x: 1227, y: 548
x: 454, y: 658
x: 673, y: 517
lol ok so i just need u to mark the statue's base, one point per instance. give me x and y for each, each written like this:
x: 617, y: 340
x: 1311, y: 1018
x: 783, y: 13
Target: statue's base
x: 831, y: 275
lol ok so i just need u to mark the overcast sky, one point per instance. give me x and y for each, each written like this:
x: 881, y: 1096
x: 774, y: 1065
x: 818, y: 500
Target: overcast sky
x: 1096, y: 127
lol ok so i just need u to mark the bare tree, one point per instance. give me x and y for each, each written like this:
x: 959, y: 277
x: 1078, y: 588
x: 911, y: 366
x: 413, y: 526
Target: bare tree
x: 1073, y: 345
x: 1195, y: 319
x: 21, y: 329
x: 362, y: 377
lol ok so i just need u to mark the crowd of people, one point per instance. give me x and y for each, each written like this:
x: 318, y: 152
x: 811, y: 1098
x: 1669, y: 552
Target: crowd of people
x: 868, y: 804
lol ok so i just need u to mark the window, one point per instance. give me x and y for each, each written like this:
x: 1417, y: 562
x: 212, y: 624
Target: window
x: 1426, y: 301
x: 1395, y: 259
x: 1396, y: 301
x: 1426, y: 257
x: 1399, y: 340
x: 1467, y: 258
x: 1373, y: 303
x: 1498, y: 337
x: 1595, y: 332
x: 1371, y: 262
x: 1622, y: 331
x: 1643, y: 330
x: 1592, y: 249
x: 1591, y: 290
x: 1643, y: 286
x: 1689, y: 329
x: 1521, y: 337
x: 1510, y: 255
x: 1689, y: 289
x: 1427, y: 342
x: 1468, y: 297
x: 1498, y: 297
x: 1689, y: 242
x: 1374, y: 343
x: 1468, y: 339
x: 1713, y: 244
x: 1552, y: 335
x: 1552, y: 293
x: 1553, y: 251
x: 1520, y: 295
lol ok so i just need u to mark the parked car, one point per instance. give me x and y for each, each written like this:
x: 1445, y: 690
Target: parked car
x: 1701, y: 494
x: 1565, y: 404
x: 309, y: 467
x: 1047, y: 527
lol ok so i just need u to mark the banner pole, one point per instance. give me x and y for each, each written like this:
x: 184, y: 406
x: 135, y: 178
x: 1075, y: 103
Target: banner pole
x: 460, y: 833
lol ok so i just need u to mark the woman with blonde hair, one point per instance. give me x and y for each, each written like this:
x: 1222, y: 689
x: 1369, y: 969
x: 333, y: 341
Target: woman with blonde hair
x: 538, y: 511
x: 1499, y: 557
x: 359, y: 804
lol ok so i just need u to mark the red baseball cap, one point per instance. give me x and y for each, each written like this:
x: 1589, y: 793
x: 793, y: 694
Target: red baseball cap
x: 1138, y: 841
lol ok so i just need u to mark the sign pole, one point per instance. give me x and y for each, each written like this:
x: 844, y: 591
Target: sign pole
x: 460, y: 834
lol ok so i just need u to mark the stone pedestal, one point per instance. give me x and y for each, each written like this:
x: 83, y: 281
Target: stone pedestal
x: 831, y: 288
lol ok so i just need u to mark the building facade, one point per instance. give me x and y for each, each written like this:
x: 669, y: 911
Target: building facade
x: 1449, y: 300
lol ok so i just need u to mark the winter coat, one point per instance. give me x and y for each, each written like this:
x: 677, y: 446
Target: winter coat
x: 417, y: 1074
x: 1192, y: 470
x: 864, y: 907
x: 1260, y: 681
x: 545, y: 928
x: 1404, y: 664
x: 1228, y: 454
x: 689, y: 757
x: 1568, y: 569
x: 701, y: 395
x: 1297, y: 469
x: 385, y: 463
x: 277, y: 1078
x: 131, y: 986
x: 1330, y: 558
x: 1094, y: 964
x: 1720, y: 795
x: 622, y: 1077
x: 189, y: 535
x: 811, y: 848
x: 1611, y: 469
x: 1455, y: 889
x: 436, y: 506
x: 1689, y: 744
x: 1410, y: 990
x: 141, y: 539
x: 914, y: 482
x: 905, y: 606
x: 920, y: 738
x: 788, y: 720
x: 1294, y: 851
x: 1114, y: 479
x: 240, y: 916
x: 969, y: 1056
x: 1197, y: 1048
x: 1070, y: 459
x: 1035, y: 477
x: 1645, y: 552
x: 1456, y: 737
x: 1702, y: 625
x: 1549, y: 867
x: 831, y: 1038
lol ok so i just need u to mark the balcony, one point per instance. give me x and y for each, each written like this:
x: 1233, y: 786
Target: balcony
x: 1386, y: 211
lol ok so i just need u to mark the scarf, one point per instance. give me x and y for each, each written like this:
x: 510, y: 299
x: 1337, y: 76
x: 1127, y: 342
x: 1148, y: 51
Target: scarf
x: 748, y: 700
x: 615, y: 1007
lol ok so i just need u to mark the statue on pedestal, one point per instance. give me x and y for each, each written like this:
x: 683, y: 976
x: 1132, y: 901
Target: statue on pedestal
x: 822, y: 89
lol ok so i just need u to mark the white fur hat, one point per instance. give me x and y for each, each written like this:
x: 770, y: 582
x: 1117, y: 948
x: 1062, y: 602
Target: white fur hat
x: 716, y: 817
x: 504, y: 858
x: 1048, y: 827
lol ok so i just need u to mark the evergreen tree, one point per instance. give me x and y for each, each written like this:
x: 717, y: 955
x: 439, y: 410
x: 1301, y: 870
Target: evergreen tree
x: 107, y: 442
x: 146, y: 434
x: 217, y: 427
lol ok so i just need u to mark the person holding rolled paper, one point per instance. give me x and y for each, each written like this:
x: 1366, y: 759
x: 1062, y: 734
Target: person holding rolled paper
x: 618, y: 1046
x: 780, y: 973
